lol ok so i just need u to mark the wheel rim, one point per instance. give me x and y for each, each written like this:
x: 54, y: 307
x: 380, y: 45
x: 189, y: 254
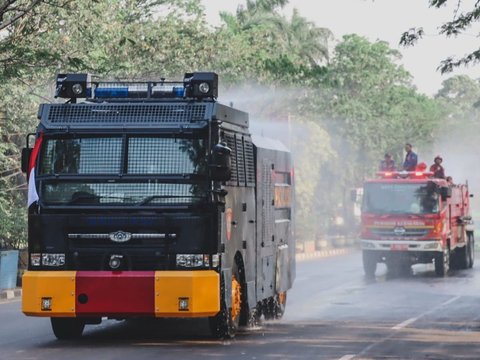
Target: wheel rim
x: 236, y: 298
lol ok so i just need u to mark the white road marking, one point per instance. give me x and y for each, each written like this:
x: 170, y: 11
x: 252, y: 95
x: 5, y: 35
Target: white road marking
x: 347, y: 357
x: 400, y: 326
x: 405, y: 323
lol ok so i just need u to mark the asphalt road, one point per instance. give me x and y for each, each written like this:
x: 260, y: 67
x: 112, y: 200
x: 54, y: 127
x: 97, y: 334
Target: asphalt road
x: 333, y: 312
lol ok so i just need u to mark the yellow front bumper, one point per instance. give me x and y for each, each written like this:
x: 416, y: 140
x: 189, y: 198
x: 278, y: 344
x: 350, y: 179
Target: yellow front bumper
x: 121, y: 293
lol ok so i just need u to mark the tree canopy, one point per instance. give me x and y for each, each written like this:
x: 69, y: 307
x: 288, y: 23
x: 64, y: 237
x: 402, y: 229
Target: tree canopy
x: 344, y: 108
x: 462, y: 20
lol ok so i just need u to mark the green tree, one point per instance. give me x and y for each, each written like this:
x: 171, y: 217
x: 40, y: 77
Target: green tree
x: 462, y: 20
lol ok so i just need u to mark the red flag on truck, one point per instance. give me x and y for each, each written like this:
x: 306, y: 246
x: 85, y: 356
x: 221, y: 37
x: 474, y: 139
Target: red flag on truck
x: 32, y: 189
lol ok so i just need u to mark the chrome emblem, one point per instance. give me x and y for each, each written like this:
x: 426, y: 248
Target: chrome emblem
x: 399, y: 230
x: 120, y: 236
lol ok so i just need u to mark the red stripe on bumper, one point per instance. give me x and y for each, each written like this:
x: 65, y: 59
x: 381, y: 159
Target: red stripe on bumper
x: 108, y: 293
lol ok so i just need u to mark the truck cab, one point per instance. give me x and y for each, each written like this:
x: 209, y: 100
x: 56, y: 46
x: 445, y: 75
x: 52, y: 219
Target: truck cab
x: 152, y: 199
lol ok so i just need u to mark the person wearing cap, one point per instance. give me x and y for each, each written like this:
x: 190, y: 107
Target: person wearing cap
x: 387, y: 164
x: 437, y: 168
x: 411, y: 159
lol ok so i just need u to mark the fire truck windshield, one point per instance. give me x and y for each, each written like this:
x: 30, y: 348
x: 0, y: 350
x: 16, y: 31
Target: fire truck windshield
x: 384, y: 198
x: 123, y: 170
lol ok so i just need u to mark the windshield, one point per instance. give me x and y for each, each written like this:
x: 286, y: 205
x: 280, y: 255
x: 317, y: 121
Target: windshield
x: 123, y: 170
x: 383, y: 198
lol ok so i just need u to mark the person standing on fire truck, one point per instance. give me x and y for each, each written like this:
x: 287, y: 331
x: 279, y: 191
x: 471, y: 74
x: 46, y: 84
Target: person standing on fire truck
x: 437, y: 168
x: 411, y: 158
x: 387, y: 164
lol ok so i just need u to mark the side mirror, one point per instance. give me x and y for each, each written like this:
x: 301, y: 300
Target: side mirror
x: 220, y: 166
x: 445, y: 192
x: 26, y: 153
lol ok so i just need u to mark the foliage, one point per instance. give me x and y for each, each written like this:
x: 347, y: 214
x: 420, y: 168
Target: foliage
x: 459, y: 99
x: 462, y: 20
x: 345, y: 109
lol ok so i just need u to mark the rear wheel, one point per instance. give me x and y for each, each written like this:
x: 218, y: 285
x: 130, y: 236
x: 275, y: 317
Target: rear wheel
x: 274, y: 306
x: 369, y: 264
x: 463, y: 255
x: 280, y: 304
x: 442, y: 262
x: 268, y: 308
x: 471, y: 250
x: 67, y: 328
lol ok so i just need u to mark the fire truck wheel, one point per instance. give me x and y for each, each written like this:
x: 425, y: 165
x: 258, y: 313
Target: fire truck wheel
x: 462, y: 256
x: 471, y: 249
x: 225, y: 324
x: 369, y: 264
x: 442, y: 262
x: 67, y: 328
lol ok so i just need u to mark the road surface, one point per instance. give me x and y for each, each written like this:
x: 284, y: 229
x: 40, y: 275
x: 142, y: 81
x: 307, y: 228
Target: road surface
x: 333, y: 312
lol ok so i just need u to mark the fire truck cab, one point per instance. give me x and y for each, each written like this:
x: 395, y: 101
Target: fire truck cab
x: 410, y: 218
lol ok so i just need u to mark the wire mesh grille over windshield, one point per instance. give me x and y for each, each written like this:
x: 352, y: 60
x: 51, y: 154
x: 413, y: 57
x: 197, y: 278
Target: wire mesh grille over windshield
x: 123, y: 114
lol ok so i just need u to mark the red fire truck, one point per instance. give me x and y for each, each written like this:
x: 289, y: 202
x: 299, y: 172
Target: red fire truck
x: 410, y: 218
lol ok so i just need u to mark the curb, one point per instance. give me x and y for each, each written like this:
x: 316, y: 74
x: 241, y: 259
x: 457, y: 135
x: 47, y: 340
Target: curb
x: 323, y: 254
x: 10, y: 294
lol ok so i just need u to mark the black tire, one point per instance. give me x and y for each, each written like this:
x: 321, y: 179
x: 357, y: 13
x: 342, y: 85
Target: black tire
x: 279, y: 305
x: 369, y: 264
x: 471, y: 250
x: 464, y: 256
x: 274, y: 307
x: 67, y: 328
x: 222, y: 325
x: 442, y: 262
x: 268, y: 308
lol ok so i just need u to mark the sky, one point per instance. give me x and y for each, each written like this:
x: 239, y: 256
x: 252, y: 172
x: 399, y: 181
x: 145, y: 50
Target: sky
x: 385, y: 20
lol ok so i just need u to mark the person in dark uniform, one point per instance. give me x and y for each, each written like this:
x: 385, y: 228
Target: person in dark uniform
x: 437, y: 168
x: 411, y: 159
x: 387, y: 164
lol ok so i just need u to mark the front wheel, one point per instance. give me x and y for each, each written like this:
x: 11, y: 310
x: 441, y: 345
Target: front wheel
x: 67, y: 328
x: 225, y: 324
x: 369, y: 264
x: 442, y: 262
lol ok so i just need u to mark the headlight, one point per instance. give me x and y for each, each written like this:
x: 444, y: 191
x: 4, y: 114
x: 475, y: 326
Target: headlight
x: 35, y: 259
x: 204, y: 87
x: 432, y: 245
x: 215, y: 260
x: 368, y: 245
x: 77, y: 89
x: 192, y: 260
x: 53, y: 259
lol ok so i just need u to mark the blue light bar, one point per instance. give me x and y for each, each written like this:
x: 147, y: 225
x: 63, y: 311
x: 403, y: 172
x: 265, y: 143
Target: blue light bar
x: 178, y: 91
x: 138, y: 91
x: 120, y: 92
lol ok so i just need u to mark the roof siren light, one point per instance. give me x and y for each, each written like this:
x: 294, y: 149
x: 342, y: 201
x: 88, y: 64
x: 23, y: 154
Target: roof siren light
x: 73, y: 86
x: 201, y: 85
